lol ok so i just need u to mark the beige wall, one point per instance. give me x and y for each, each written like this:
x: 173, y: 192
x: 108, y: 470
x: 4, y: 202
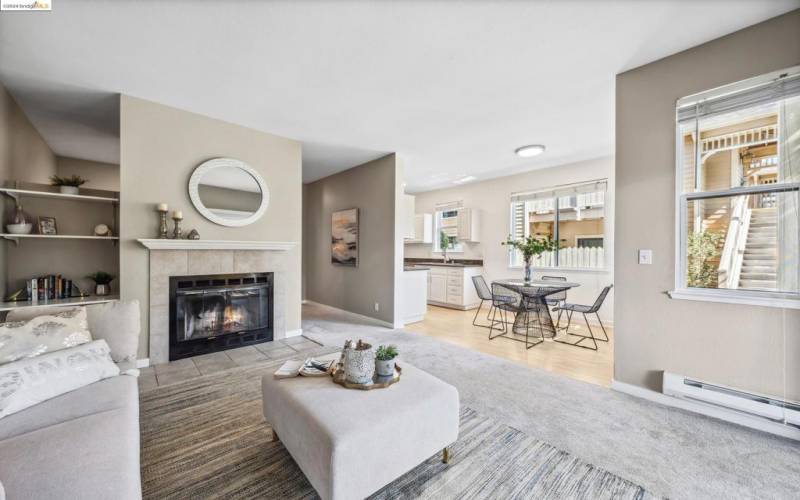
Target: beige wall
x: 372, y: 188
x: 98, y: 175
x: 160, y: 147
x: 753, y: 348
x: 493, y: 198
x: 24, y: 156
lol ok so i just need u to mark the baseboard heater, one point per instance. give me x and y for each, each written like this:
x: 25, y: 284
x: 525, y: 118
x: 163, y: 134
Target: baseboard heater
x: 776, y: 410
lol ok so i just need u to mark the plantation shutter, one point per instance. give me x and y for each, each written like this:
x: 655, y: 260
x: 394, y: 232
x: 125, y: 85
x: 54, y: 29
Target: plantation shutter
x: 517, y: 232
x: 517, y: 220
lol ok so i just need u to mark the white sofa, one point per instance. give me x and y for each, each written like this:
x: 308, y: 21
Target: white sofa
x: 80, y: 445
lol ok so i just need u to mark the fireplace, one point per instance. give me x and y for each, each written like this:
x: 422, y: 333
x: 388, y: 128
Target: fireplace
x: 219, y: 311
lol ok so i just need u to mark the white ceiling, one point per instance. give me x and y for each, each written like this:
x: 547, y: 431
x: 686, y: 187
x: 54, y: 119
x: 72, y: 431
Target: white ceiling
x: 453, y: 87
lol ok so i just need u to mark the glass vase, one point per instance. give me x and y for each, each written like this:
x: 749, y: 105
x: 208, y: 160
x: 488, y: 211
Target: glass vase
x: 528, y: 275
x: 19, y: 221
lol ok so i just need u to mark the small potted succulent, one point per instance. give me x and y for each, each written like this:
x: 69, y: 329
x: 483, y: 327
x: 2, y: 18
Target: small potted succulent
x: 102, y: 282
x: 384, y: 360
x: 68, y: 185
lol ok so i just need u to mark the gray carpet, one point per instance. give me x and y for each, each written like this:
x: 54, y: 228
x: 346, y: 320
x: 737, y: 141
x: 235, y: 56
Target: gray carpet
x: 669, y: 452
x: 206, y: 438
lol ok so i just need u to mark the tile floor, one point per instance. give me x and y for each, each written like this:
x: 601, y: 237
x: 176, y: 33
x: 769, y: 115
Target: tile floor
x: 185, y: 369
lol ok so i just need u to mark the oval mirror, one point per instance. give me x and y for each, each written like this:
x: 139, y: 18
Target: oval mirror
x: 228, y: 192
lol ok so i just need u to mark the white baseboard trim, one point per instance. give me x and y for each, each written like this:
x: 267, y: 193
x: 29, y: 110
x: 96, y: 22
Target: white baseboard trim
x: 709, y: 410
x: 143, y: 363
x: 412, y: 319
x: 360, y: 316
x: 294, y: 333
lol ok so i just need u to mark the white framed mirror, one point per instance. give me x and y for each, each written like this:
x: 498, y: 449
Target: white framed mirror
x: 228, y: 192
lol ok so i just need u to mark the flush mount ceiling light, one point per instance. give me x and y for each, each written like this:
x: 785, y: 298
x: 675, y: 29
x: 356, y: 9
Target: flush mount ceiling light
x: 462, y: 180
x: 529, y: 150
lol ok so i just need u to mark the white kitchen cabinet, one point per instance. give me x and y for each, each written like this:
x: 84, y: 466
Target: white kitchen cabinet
x: 423, y: 229
x: 469, y: 224
x: 437, y: 286
x: 409, y: 203
x: 414, y: 299
x: 452, y: 286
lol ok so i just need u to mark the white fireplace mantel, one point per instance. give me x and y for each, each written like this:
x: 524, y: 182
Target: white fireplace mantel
x: 167, y: 244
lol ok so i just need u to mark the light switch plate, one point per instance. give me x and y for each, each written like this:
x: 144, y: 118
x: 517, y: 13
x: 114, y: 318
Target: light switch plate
x: 645, y: 256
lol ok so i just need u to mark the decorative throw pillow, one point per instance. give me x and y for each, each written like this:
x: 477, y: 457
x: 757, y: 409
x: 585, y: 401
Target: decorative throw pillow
x: 52, y: 332
x: 30, y: 381
x: 116, y: 322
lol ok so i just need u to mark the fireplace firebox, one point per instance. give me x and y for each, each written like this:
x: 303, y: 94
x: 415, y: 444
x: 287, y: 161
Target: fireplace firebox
x: 219, y: 311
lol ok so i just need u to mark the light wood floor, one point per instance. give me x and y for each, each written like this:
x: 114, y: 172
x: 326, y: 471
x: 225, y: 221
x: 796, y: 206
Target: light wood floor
x: 455, y: 326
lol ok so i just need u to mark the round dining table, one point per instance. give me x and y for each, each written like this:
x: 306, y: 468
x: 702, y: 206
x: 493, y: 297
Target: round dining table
x: 534, y: 298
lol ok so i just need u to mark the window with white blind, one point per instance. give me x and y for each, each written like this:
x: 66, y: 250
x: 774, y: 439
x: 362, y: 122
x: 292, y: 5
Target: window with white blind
x: 445, y: 220
x: 572, y: 215
x: 738, y: 191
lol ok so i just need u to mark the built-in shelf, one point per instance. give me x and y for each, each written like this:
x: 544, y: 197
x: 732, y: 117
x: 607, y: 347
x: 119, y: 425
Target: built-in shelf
x: 77, y: 253
x: 167, y: 244
x: 31, y: 193
x: 16, y: 237
x: 74, y: 301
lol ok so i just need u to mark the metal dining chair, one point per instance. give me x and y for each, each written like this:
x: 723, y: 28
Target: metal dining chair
x: 583, y: 309
x: 485, y: 294
x: 507, y: 300
x: 555, y: 300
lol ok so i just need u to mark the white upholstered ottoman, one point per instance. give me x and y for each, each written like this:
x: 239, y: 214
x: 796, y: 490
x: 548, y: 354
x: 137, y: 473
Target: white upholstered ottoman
x: 351, y: 443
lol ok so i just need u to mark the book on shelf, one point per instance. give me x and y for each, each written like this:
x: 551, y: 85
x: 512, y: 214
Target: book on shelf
x: 49, y: 287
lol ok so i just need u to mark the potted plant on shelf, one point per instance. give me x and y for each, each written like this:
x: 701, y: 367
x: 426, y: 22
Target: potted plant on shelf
x: 68, y: 185
x: 531, y: 246
x: 102, y: 282
x: 384, y: 360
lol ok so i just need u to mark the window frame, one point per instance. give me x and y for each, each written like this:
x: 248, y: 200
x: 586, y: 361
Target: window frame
x: 681, y: 290
x: 458, y: 247
x: 556, y: 219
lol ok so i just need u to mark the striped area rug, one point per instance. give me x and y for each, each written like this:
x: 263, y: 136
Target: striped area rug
x: 206, y: 438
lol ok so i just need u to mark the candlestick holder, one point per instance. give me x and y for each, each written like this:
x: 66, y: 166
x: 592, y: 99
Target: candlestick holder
x: 162, y: 226
x: 177, y: 232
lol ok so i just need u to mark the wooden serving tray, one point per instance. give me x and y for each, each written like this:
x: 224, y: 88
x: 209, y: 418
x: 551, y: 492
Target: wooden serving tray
x: 378, y: 382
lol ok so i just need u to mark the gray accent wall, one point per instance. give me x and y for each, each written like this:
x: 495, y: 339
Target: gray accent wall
x: 160, y: 148
x: 374, y: 188
x: 747, y: 347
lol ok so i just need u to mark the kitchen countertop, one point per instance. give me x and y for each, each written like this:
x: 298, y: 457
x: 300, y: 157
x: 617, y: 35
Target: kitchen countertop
x: 416, y: 268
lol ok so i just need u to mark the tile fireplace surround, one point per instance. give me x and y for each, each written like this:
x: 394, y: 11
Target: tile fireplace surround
x: 192, y: 261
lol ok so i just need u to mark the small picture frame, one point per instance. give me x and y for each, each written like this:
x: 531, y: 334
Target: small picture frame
x: 47, y: 225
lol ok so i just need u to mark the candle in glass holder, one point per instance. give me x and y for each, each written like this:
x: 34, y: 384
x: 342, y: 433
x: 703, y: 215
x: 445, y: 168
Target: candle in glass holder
x: 177, y: 214
x: 162, y: 207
